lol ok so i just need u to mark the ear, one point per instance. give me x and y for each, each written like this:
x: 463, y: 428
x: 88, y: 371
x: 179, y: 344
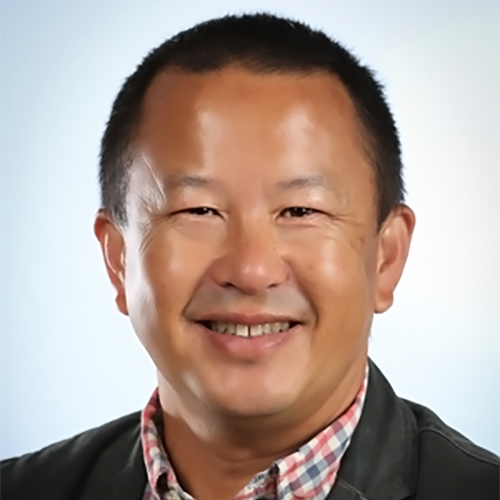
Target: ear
x: 113, y: 250
x: 393, y: 247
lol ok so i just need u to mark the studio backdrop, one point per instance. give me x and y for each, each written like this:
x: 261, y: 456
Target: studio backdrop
x: 69, y: 361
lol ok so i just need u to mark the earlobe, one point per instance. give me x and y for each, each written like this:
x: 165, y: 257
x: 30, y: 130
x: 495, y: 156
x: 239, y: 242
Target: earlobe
x: 113, y: 250
x: 393, y: 247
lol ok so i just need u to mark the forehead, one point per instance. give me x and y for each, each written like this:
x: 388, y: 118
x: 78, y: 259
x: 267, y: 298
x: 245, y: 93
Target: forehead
x: 277, y: 125
x: 235, y: 92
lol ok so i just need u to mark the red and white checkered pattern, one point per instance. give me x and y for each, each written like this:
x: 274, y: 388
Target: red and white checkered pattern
x: 309, y: 473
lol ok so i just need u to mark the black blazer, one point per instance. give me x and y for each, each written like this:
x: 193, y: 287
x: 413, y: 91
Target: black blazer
x: 399, y: 450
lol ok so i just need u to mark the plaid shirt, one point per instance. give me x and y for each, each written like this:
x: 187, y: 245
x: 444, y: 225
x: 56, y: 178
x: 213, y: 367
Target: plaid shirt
x: 308, y: 473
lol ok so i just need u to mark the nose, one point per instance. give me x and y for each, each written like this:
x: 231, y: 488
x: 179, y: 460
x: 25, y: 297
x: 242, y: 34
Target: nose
x: 251, y: 261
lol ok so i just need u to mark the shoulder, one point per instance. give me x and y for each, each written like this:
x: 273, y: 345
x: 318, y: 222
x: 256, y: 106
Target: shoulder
x: 449, y: 464
x: 68, y: 463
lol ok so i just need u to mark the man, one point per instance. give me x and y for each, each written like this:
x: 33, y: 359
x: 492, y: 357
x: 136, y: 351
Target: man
x: 252, y: 222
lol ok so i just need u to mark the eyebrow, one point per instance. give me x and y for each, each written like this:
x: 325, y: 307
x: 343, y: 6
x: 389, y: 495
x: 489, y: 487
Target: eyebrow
x: 178, y: 182
x: 303, y: 182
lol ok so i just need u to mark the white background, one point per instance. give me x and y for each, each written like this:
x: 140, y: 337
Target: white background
x: 69, y: 361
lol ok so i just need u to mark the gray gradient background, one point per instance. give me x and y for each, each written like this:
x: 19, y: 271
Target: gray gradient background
x: 69, y: 361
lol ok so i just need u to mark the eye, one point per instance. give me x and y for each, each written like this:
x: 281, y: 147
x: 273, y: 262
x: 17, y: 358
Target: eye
x: 298, y: 212
x: 200, y: 211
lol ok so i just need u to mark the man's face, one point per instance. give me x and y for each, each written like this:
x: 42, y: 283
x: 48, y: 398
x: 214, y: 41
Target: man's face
x: 251, y: 210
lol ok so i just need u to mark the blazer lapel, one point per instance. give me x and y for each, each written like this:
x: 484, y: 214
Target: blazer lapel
x: 381, y: 461
x: 122, y: 474
x: 130, y: 482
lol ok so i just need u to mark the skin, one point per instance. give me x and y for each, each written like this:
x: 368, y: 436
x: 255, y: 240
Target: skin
x: 266, y: 144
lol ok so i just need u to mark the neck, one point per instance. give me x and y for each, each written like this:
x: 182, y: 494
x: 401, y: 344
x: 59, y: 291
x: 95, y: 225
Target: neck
x: 215, y: 455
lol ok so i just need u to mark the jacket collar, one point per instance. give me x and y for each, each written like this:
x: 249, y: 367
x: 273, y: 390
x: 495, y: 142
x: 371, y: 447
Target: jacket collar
x: 381, y: 461
x: 130, y: 481
x: 122, y: 474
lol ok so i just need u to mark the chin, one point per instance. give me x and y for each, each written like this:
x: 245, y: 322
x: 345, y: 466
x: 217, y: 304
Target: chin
x: 252, y: 390
x: 254, y: 403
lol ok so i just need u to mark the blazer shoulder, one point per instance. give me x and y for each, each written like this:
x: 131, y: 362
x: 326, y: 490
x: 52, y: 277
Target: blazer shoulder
x: 430, y: 426
x: 62, y: 467
x: 450, y: 465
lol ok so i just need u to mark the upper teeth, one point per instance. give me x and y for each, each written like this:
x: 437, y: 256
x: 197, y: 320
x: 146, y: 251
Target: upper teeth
x: 248, y: 330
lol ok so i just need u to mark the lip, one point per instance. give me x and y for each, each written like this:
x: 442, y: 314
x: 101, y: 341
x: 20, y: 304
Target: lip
x: 247, y: 348
x: 247, y: 318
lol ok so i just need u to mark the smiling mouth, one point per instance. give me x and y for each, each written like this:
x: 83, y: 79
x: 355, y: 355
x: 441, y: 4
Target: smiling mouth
x: 248, y: 331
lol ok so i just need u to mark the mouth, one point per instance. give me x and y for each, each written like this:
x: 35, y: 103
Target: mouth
x: 248, y: 330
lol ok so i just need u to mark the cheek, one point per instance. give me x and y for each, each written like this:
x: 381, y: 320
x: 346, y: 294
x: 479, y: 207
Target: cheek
x: 333, y: 272
x: 161, y: 278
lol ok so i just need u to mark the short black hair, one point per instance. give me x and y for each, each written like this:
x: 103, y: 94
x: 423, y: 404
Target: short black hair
x: 261, y: 43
